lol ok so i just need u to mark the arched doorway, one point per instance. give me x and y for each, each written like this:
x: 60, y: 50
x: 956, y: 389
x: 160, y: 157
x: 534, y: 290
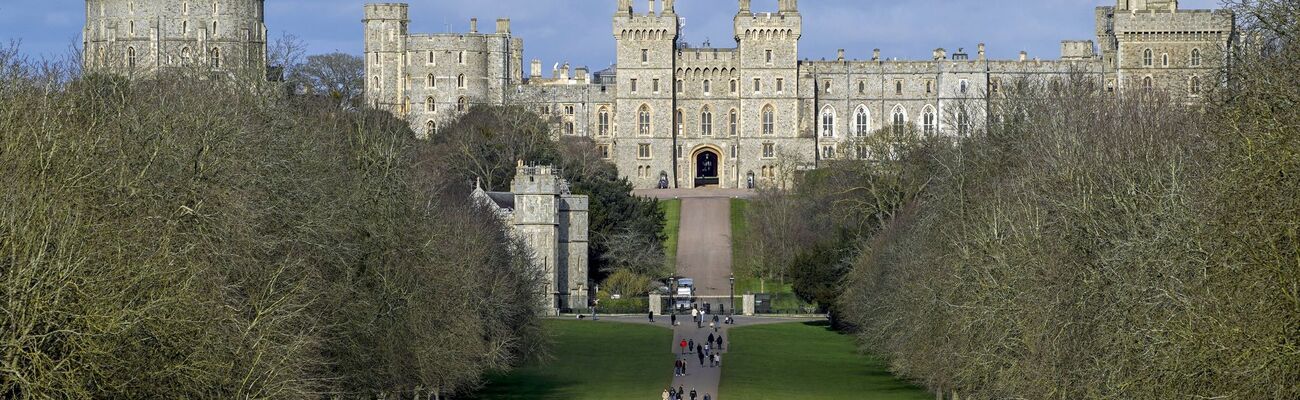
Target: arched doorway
x: 706, y: 168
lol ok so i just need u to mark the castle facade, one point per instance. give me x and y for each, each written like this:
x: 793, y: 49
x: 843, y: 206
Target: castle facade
x: 143, y: 36
x: 670, y: 115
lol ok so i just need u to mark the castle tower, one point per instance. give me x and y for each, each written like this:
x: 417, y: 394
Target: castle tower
x: 385, y: 53
x: 646, y: 49
x: 1152, y: 45
x: 141, y: 36
x: 771, y: 84
x: 536, y: 220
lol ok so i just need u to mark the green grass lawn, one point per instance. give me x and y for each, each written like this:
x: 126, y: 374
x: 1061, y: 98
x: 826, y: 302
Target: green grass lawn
x: 806, y: 361
x: 739, y: 227
x: 592, y: 360
x: 673, y: 223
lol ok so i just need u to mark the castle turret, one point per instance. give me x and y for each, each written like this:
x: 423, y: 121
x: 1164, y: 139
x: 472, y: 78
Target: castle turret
x: 385, y: 27
x: 136, y: 37
x: 536, y: 218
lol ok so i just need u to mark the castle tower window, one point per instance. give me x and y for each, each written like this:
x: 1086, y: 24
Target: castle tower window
x: 706, y: 122
x: 216, y: 57
x: 862, y: 87
x: 130, y: 57
x: 1147, y: 57
x: 432, y: 58
x: 376, y: 85
x: 430, y: 81
x: 900, y: 119
x: 643, y: 151
x: 185, y: 27
x: 130, y: 28
x: 633, y: 82
x: 828, y: 122
x: 929, y: 87
x: 862, y: 121
x: 769, y: 56
x: 462, y: 104
x: 602, y: 128
x: 706, y: 86
x: 734, y: 86
x: 214, y: 29
x: 1164, y: 60
x: 1196, y: 57
x: 568, y: 128
x: 430, y: 127
x: 430, y: 105
x: 929, y: 120
x: 645, y: 56
x: 780, y: 85
x: 898, y: 87
x: 460, y: 57
x: 643, y: 120
x: 1146, y: 84
x: 681, y: 86
x: 679, y: 122
x: 963, y: 123
x: 963, y: 86
x: 769, y: 150
x: 460, y: 81
x: 568, y: 109
x: 769, y: 120
x: 732, y: 123
x: 826, y: 86
x: 1194, y: 85
x: 758, y: 85
x: 655, y: 85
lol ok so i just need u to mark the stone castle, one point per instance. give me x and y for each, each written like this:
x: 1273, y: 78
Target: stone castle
x: 553, y: 223
x: 143, y: 36
x: 672, y: 115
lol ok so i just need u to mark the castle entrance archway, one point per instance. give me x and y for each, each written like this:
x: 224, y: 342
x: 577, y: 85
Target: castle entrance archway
x: 707, y: 167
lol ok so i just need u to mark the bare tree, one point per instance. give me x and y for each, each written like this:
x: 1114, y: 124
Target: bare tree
x: 337, y: 75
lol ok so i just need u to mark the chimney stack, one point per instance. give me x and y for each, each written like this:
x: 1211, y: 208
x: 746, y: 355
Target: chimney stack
x: 840, y: 54
x: 536, y: 71
x: 981, y: 51
x: 582, y: 75
x: 650, y: 9
x: 503, y: 26
x: 564, y: 71
x: 1024, y: 55
x: 473, y: 25
x: 940, y: 54
x: 875, y: 55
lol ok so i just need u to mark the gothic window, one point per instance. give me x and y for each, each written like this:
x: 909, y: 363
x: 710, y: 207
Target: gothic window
x: 1196, y: 57
x: 643, y: 151
x: 568, y: 128
x: 216, y: 57
x: 900, y: 119
x: 706, y: 86
x: 862, y: 87
x: 432, y: 58
x: 681, y: 86
x: 732, y: 121
x: 780, y: 85
x: 643, y: 120
x: 898, y: 87
x: 679, y: 122
x: 828, y: 122
x: 1164, y: 60
x: 130, y: 57
x: 929, y: 121
x: 1147, y: 57
x: 769, y: 120
x: 758, y: 85
x: 430, y: 81
x: 460, y: 81
x: 1195, y: 85
x: 963, y: 123
x: 862, y: 121
x: 769, y: 150
x: 706, y: 122
x: 603, y: 122
x: 826, y: 86
x: 462, y: 104
x: 460, y: 57
x: 633, y: 82
x: 828, y: 152
x: 929, y: 87
x: 430, y: 105
x: 1146, y: 84
x: 568, y: 109
x: 186, y: 55
x: 963, y: 86
x: 734, y: 87
x: 430, y: 127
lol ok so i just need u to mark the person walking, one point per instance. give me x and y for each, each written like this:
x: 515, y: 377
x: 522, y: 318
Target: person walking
x: 683, y: 344
x: 719, y: 341
x: 652, y: 316
x: 701, y: 356
x: 717, y: 360
x: 680, y: 392
x: 692, y: 342
x: 692, y: 393
x: 710, y: 338
x: 673, y: 319
x: 666, y: 396
x: 706, y: 397
x: 713, y: 325
x: 708, y: 349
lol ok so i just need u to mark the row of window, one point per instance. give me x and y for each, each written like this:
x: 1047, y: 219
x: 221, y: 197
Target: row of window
x: 187, y: 57
x: 1193, y: 85
x: 431, y: 81
x: 1148, y: 58
x: 862, y: 120
x: 643, y: 151
x: 185, y: 8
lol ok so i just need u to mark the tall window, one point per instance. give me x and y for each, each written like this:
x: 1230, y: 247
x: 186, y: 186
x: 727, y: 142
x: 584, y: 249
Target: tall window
x: 706, y: 122
x: 645, y: 56
x: 1147, y: 57
x: 681, y: 86
x: 430, y: 81
x: 655, y: 85
x: 430, y: 105
x: 568, y: 128
x: 432, y: 58
x: 1146, y: 84
x: 1195, y: 85
x: 706, y: 86
x: 462, y: 104
x: 862, y: 87
x: 861, y: 121
x: 643, y: 151
x: 898, y: 88
x: 633, y: 82
x: 929, y: 87
x: 900, y: 119
x: 963, y: 123
x: 1196, y: 57
x: 929, y: 122
x: 130, y: 57
x: 769, y: 56
x: 679, y: 122
x: 769, y: 150
x: 216, y: 57
x: 214, y: 29
x: 963, y: 86
x: 603, y: 122
x: 828, y: 122
x: 734, y: 87
x: 460, y: 81
x: 643, y: 120
x: 769, y: 120
x: 733, y: 122
x: 1164, y: 60
x: 430, y: 127
x: 460, y: 57
x: 186, y: 56
x: 758, y: 85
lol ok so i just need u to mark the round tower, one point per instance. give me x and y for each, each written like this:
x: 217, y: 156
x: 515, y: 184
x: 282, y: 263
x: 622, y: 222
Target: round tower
x: 143, y: 36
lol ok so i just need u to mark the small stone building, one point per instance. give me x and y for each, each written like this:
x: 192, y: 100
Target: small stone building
x: 552, y: 222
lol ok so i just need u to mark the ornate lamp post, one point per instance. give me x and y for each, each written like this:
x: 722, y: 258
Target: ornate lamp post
x: 733, y: 295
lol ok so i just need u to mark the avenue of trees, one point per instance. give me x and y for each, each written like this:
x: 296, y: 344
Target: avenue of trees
x: 1085, y: 247
x: 195, y: 236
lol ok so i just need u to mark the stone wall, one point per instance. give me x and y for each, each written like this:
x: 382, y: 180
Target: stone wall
x: 143, y: 36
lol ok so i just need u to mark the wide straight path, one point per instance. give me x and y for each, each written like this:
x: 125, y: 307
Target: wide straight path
x: 704, y: 244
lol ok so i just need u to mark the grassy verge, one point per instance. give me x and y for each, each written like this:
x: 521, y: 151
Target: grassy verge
x: 592, y: 360
x: 739, y: 229
x: 806, y: 361
x: 673, y: 215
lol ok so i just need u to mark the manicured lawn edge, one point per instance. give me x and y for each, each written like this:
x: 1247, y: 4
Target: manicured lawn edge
x: 672, y: 225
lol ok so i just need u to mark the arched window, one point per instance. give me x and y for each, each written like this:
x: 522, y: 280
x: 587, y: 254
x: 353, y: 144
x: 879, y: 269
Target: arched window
x: 898, y: 87
x: 376, y: 85
x: 769, y: 120
x: 1147, y: 57
x: 643, y: 120
x: 430, y: 127
x: 929, y: 121
x: 706, y: 122
x: 216, y: 57
x: 733, y: 86
x: 603, y: 122
x: 1196, y: 57
x: 431, y: 82
x: 828, y: 152
x: 733, y: 122
x: 1146, y: 84
x: 432, y: 58
x: 862, y: 121
x: 460, y: 81
x: 460, y: 57
x: 462, y: 104
x: 214, y: 28
x: 706, y: 86
x: 568, y: 128
x: 130, y: 57
x: 862, y: 87
x: 680, y: 122
x: 828, y: 122
x: 900, y: 119
x: 1164, y: 60
x: 1195, y: 85
x: 963, y: 123
x: 186, y: 56
x: 430, y: 105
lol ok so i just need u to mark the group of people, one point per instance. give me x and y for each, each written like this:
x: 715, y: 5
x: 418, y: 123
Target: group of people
x: 704, y: 351
x: 680, y: 394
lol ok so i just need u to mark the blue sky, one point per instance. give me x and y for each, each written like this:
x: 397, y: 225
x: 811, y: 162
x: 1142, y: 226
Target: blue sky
x: 579, y: 31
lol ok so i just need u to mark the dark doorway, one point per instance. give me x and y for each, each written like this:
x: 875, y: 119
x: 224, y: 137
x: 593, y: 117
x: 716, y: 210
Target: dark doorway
x: 706, y: 168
